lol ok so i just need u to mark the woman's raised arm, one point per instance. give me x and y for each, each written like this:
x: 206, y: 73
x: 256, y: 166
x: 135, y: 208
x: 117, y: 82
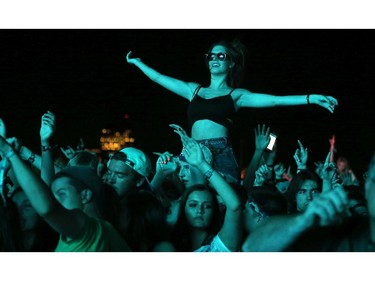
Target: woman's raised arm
x: 245, y: 98
x: 181, y: 88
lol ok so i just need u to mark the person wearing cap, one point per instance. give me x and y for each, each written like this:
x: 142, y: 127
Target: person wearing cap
x: 128, y: 171
x: 73, y: 206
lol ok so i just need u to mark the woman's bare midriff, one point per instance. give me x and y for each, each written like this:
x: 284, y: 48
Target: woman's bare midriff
x: 207, y: 129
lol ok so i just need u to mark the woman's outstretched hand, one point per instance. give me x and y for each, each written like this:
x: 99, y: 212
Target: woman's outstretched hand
x: 327, y: 102
x: 131, y: 60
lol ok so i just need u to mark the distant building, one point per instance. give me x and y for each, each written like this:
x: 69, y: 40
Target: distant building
x: 112, y: 140
x: 116, y: 136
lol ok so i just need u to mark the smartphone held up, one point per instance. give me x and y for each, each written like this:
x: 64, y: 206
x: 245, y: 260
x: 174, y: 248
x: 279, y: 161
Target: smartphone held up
x: 271, y: 144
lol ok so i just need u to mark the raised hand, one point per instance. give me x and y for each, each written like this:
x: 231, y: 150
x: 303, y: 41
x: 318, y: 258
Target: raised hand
x: 131, y: 60
x: 81, y: 145
x: 327, y: 102
x: 262, y: 137
x: 288, y: 174
x: 279, y: 170
x: 193, y: 152
x: 326, y: 207
x: 165, y: 163
x: 181, y: 132
x: 261, y: 175
x: 332, y: 141
x: 329, y: 169
x: 47, y: 128
x: 68, y: 152
x: 301, y: 156
x: 347, y: 178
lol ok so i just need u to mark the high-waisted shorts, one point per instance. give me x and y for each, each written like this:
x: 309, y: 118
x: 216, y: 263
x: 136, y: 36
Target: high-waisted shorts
x: 224, y: 159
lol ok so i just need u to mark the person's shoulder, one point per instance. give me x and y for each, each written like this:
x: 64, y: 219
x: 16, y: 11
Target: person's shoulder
x: 195, y: 86
x: 239, y: 93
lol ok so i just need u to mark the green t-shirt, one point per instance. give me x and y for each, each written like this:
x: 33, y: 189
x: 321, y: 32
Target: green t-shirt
x: 100, y: 236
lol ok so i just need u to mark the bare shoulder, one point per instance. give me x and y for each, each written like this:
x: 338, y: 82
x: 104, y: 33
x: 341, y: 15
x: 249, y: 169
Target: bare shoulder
x: 193, y: 85
x: 240, y: 92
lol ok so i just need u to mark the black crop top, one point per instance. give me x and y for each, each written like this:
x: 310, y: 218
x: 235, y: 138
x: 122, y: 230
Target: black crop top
x: 219, y: 110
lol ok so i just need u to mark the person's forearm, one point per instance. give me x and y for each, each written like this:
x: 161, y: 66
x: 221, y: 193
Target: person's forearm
x: 251, y: 169
x: 35, y: 189
x: 148, y: 71
x: 226, y: 192
x: 292, y: 100
x: 276, y: 234
x: 47, y: 165
x: 157, y: 181
x: 332, y: 155
x: 326, y: 185
x: 176, y: 86
x: 266, y: 100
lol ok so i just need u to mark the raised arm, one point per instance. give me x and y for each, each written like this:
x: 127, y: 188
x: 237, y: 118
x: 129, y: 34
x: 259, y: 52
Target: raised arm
x: 261, y: 140
x: 181, y: 88
x: 69, y: 223
x: 165, y: 166
x: 245, y: 98
x: 230, y: 232
x: 332, y: 148
x: 47, y: 129
x: 301, y: 156
x: 329, y: 174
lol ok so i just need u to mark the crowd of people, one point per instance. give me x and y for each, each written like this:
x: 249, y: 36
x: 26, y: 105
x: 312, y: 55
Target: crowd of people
x: 193, y: 200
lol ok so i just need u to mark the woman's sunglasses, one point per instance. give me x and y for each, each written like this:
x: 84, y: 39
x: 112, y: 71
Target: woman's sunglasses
x: 218, y: 56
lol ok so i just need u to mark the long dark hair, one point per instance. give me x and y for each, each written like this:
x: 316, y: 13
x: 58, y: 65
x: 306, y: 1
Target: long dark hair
x: 269, y: 200
x: 181, y: 231
x: 237, y: 53
x: 143, y: 221
x: 295, y: 185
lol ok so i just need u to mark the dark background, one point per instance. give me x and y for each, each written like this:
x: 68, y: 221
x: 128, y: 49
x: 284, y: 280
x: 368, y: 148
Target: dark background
x: 82, y: 76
